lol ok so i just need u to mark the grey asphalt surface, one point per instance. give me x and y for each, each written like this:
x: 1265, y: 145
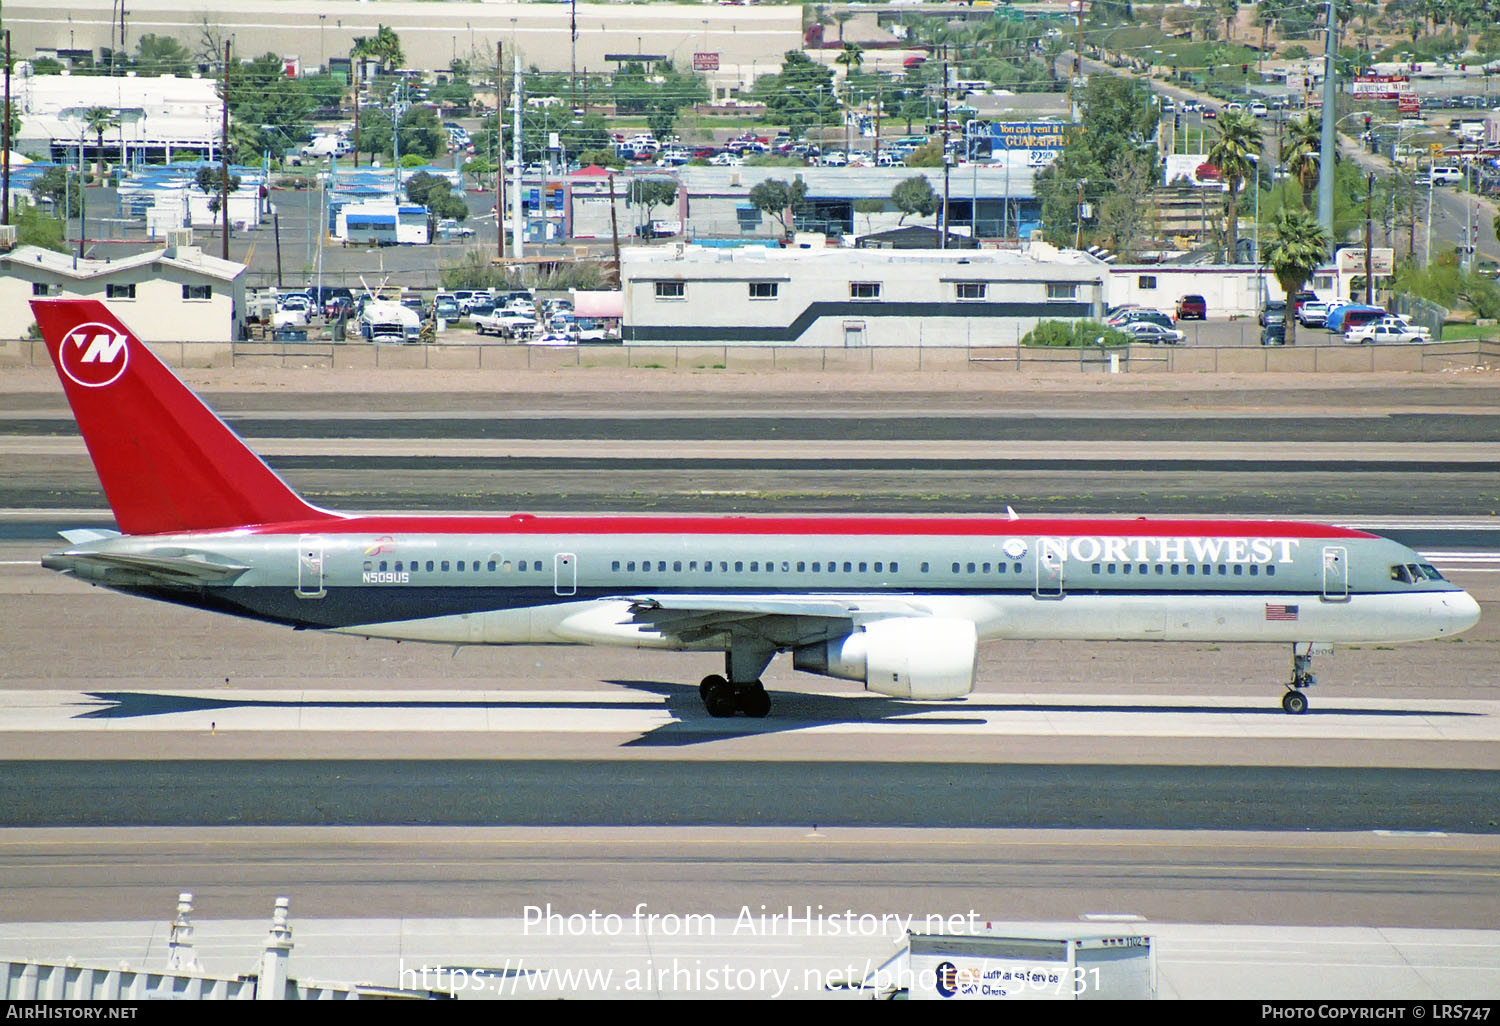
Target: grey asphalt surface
x: 683, y: 472
x: 500, y: 792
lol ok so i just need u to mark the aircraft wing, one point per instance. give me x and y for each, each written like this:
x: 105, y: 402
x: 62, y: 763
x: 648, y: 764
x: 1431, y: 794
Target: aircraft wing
x: 180, y: 571
x: 786, y: 621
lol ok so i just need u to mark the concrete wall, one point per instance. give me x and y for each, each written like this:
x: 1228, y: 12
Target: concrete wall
x: 1436, y: 357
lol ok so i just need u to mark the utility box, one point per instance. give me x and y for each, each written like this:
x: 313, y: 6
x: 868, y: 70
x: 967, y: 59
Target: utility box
x: 987, y: 967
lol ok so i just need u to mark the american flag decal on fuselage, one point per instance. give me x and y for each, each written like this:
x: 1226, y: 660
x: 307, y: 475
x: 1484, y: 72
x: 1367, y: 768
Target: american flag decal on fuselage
x: 1280, y: 612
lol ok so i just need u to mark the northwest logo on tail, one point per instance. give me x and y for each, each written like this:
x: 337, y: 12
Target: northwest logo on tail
x: 94, y: 355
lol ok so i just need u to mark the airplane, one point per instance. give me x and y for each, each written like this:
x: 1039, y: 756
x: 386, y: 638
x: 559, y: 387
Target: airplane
x: 899, y: 604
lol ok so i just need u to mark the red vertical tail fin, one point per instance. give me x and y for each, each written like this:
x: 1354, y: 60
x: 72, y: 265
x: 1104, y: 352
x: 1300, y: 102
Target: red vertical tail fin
x: 166, y: 461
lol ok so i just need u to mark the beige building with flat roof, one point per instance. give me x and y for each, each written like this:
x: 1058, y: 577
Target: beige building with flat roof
x: 432, y: 34
x: 178, y: 294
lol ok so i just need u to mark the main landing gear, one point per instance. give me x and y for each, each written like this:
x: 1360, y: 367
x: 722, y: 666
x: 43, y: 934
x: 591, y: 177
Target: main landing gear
x: 1294, y: 701
x: 723, y: 699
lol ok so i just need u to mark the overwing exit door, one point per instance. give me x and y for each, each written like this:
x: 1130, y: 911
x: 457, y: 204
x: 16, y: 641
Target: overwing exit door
x: 310, y: 567
x: 565, y: 573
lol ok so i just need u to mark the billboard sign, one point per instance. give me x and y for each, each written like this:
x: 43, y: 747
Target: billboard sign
x: 705, y: 62
x: 1028, y: 135
x: 1380, y: 87
x: 1352, y: 261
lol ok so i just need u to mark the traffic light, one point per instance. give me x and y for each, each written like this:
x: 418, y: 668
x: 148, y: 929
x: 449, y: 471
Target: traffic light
x: 1244, y: 69
x: 1367, y: 122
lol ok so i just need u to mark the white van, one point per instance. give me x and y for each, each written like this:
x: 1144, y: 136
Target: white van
x: 1447, y: 175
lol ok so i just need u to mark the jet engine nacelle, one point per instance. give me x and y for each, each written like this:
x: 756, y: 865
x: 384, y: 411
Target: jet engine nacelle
x: 904, y: 657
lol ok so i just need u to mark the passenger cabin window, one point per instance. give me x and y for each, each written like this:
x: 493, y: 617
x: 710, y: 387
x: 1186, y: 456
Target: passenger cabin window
x: 864, y: 290
x: 971, y: 290
x: 763, y: 289
x: 671, y: 290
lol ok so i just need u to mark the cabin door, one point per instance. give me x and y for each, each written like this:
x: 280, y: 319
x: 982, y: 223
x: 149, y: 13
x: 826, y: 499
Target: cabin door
x: 310, y: 567
x: 1335, y: 573
x: 565, y: 573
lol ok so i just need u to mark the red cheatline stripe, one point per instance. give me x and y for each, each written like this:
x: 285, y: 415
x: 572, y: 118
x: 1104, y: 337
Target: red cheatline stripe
x: 800, y: 526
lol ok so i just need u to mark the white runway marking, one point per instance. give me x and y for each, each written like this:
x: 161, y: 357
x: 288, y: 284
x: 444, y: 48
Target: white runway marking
x: 625, y: 712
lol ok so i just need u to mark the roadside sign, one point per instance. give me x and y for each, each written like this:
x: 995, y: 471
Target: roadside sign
x: 705, y: 62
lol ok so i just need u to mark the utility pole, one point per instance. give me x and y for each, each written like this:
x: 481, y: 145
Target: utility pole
x: 1328, y: 148
x: 517, y: 238
x: 358, y: 60
x: 943, y: 238
x: 500, y: 152
x: 614, y: 232
x: 224, y: 164
x: 573, y: 55
x: 1369, y: 260
x: 5, y: 143
x: 1077, y: 57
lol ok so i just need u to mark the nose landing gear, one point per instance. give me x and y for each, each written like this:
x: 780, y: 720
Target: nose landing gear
x: 1294, y: 701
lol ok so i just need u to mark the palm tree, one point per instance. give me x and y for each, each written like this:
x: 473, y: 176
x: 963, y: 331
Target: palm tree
x: 1297, y: 244
x: 97, y: 120
x: 1306, y: 138
x: 384, y: 46
x: 1235, y: 153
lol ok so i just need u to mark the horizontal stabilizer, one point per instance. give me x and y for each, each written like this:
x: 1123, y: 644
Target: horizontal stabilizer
x: 190, y: 571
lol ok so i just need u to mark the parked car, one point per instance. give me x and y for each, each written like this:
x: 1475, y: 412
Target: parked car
x: 1273, y: 334
x: 1155, y: 334
x: 1126, y: 315
x: 1274, y: 312
x: 1304, y: 296
x: 1349, y: 315
x: 1312, y: 314
x: 444, y: 305
x: 1192, y: 308
x: 1387, y: 329
x: 449, y: 227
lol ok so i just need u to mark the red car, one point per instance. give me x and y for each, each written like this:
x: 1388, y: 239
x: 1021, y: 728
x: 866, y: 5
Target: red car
x: 1192, y: 308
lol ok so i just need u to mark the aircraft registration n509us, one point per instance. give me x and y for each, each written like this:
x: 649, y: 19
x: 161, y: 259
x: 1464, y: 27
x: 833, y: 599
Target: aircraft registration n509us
x: 897, y: 603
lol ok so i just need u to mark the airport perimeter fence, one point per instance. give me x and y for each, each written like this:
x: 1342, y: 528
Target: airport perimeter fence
x: 1470, y: 355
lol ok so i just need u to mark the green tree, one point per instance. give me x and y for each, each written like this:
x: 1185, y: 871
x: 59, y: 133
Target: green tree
x: 652, y: 193
x: 98, y: 120
x: 36, y: 228
x: 436, y: 194
x: 1119, y: 118
x: 798, y: 96
x: 162, y: 55
x: 1235, y: 153
x: 384, y: 46
x: 914, y: 195
x: 1295, y: 247
x: 780, y: 200
x: 59, y: 187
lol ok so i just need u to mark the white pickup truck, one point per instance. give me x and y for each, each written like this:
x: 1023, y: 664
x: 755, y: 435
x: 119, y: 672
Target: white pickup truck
x: 1390, y: 328
x: 504, y: 323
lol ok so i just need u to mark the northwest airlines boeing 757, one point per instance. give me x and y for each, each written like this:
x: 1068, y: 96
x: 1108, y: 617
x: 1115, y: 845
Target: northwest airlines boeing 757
x: 899, y: 604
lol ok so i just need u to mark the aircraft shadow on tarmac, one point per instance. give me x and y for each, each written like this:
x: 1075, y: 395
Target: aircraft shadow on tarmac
x: 691, y: 723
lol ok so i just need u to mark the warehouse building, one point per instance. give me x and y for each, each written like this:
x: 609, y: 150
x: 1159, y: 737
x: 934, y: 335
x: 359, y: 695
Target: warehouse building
x: 817, y: 296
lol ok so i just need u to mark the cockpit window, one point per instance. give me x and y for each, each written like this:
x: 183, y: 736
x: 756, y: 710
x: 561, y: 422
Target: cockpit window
x: 1415, y: 573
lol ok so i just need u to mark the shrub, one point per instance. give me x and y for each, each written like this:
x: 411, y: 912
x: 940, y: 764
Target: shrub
x: 1073, y: 333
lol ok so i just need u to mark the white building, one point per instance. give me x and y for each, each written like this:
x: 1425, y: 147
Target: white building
x: 157, y: 116
x: 178, y: 294
x: 684, y: 295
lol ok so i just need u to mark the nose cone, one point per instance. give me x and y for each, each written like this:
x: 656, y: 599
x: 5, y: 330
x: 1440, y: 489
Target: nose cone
x: 1458, y: 612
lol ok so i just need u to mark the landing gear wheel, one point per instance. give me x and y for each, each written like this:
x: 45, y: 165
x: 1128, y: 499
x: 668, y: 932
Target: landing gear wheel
x: 719, y: 700
x: 753, y: 700
x: 710, y: 682
x: 1294, y: 702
